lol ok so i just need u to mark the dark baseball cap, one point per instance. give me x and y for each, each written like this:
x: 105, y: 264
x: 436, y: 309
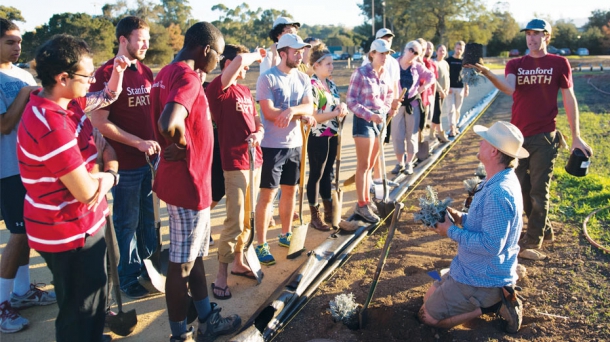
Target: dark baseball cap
x: 538, y: 25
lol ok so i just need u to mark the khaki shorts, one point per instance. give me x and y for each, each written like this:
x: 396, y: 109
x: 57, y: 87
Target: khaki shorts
x: 452, y: 298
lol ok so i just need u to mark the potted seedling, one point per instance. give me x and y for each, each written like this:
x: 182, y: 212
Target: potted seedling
x: 432, y: 210
x: 473, y: 54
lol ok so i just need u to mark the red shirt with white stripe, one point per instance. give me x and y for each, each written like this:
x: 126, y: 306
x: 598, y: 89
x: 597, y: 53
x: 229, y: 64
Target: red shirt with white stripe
x: 52, y: 142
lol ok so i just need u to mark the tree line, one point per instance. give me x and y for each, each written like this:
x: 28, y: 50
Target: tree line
x: 440, y: 21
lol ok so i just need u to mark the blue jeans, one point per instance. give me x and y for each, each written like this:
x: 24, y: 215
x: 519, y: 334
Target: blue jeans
x: 134, y: 222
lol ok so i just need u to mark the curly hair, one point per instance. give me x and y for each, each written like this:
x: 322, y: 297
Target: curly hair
x: 7, y: 25
x: 201, y: 34
x: 128, y: 25
x: 61, y: 53
x: 277, y: 31
x: 231, y: 51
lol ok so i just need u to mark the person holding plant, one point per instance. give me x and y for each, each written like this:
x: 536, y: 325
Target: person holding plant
x: 534, y: 81
x: 369, y: 97
x: 323, y: 139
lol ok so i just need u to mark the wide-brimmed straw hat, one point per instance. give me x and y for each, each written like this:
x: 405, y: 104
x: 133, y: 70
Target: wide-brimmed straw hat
x: 504, y: 136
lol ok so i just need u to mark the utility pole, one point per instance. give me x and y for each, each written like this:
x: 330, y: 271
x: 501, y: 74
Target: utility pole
x: 373, y: 16
x: 383, y: 7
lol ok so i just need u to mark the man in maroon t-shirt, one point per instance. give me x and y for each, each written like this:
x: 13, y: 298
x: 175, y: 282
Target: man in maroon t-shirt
x: 126, y: 124
x: 534, y: 81
x: 233, y: 109
x: 181, y: 113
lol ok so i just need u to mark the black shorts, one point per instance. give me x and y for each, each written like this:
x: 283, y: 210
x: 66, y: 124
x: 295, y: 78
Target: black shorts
x: 280, y: 166
x: 218, y: 176
x: 12, y: 195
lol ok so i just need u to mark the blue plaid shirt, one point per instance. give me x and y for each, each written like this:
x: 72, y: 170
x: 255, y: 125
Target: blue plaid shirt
x: 488, y: 243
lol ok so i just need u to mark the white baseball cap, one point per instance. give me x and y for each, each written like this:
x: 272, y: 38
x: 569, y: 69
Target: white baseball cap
x: 384, y: 32
x: 381, y: 45
x: 291, y: 40
x: 285, y: 21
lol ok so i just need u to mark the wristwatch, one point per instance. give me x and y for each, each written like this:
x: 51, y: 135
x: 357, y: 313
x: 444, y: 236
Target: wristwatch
x: 115, y: 175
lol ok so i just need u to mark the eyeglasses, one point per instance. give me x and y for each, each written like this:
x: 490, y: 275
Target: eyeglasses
x: 90, y: 78
x: 413, y: 51
x: 220, y: 57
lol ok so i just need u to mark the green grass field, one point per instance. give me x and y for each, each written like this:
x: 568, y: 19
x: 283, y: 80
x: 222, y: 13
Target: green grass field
x: 573, y: 198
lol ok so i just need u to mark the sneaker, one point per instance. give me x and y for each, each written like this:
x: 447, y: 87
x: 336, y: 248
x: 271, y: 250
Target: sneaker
x: 512, y: 312
x: 366, y: 213
x: 397, y: 169
x: 532, y: 254
x: 373, y: 206
x: 135, y: 291
x: 34, y: 297
x: 264, y: 255
x: 284, y: 240
x: 10, y: 319
x: 211, y: 241
x: 409, y: 169
x: 187, y: 336
x: 215, y: 325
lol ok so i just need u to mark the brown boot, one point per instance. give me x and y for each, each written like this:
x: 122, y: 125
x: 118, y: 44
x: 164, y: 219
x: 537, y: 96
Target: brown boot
x: 328, y: 211
x: 316, y: 221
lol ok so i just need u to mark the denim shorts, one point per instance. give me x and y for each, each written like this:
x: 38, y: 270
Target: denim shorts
x: 365, y: 129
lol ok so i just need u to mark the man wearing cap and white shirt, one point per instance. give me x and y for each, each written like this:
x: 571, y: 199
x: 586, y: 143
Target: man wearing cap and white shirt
x: 281, y: 26
x: 392, y: 75
x: 285, y: 97
x: 534, y: 81
x: 483, y: 273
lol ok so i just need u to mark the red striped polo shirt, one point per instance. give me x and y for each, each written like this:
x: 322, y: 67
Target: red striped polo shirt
x: 52, y: 142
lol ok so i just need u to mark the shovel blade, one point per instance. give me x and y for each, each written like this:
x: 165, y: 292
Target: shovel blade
x: 337, y: 200
x: 123, y: 323
x: 254, y: 263
x: 157, y: 279
x: 297, y: 242
x: 362, y: 317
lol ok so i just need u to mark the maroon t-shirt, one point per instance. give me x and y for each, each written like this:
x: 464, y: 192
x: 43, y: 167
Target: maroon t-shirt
x: 537, y: 85
x: 234, y: 112
x: 130, y: 112
x: 185, y: 183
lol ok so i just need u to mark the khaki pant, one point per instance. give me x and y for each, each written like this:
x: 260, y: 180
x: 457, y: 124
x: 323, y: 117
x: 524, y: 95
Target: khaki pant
x: 234, y: 237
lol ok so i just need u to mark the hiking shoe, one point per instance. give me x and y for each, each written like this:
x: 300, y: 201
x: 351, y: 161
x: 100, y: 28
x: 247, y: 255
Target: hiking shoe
x: 187, y: 336
x: 398, y: 169
x: 366, y: 213
x: 284, y: 240
x: 10, y: 319
x: 215, y: 325
x: 34, y: 297
x: 264, y: 255
x: 512, y: 312
x: 135, y: 291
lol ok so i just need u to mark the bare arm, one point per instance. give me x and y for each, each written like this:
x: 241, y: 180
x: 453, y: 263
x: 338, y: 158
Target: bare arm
x: 99, y: 118
x: 506, y: 85
x: 571, y: 106
x: 172, y: 124
x: 282, y: 118
x: 87, y: 188
x: 10, y: 119
x: 230, y: 73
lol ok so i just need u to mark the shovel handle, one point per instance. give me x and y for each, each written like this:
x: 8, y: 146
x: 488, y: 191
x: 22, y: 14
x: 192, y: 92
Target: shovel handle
x: 251, y: 197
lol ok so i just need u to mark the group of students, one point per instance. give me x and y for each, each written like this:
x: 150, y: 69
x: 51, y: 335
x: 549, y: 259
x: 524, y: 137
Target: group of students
x: 64, y: 177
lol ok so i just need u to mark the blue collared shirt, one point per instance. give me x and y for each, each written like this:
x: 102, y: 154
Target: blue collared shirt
x: 488, y: 243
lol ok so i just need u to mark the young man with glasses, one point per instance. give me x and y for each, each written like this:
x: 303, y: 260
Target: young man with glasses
x: 127, y: 125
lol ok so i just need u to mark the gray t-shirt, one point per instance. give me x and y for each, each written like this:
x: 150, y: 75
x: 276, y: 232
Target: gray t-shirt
x: 11, y: 81
x: 284, y: 90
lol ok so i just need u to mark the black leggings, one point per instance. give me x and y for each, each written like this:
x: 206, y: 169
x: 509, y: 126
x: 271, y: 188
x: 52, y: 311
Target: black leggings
x: 438, y: 103
x: 321, y: 152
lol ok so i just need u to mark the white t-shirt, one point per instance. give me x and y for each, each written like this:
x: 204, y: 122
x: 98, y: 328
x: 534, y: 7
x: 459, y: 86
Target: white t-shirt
x: 11, y: 81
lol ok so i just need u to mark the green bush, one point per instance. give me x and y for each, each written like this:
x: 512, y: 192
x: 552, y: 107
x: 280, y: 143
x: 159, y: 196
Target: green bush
x: 503, y: 54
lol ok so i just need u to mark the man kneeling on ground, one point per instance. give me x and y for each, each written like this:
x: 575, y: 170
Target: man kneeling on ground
x: 482, y: 276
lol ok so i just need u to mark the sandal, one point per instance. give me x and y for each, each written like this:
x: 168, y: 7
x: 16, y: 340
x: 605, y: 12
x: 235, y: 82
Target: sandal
x: 224, y: 291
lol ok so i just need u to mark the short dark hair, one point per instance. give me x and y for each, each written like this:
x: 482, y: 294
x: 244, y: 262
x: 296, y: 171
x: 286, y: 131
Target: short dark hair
x: 507, y: 160
x: 7, y: 25
x: 230, y: 52
x: 277, y: 31
x: 201, y: 34
x: 128, y: 25
x: 61, y: 53
x: 284, y: 49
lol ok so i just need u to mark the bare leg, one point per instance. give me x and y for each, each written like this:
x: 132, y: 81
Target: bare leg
x: 176, y: 290
x: 15, y: 254
x: 287, y: 205
x: 262, y: 213
x: 364, y: 150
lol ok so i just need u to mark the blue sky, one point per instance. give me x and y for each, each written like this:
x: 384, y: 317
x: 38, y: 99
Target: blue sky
x: 345, y: 12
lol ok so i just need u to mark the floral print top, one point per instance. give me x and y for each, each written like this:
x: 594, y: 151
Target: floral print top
x: 324, y: 102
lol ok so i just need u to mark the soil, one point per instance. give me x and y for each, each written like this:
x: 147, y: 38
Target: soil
x: 565, y: 295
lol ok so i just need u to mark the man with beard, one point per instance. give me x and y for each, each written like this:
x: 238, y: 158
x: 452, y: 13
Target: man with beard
x: 126, y: 124
x: 285, y: 96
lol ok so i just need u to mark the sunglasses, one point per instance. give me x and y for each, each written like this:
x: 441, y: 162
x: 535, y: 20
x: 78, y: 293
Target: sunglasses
x: 413, y: 51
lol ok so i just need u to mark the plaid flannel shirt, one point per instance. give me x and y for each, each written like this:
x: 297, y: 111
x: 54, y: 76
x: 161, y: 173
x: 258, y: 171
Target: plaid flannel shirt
x: 368, y: 93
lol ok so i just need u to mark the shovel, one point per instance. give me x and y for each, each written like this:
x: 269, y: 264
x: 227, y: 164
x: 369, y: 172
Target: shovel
x: 251, y: 257
x: 384, y: 206
x: 337, y: 195
x: 153, y: 264
x: 123, y: 323
x: 363, y: 315
x: 297, y: 242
